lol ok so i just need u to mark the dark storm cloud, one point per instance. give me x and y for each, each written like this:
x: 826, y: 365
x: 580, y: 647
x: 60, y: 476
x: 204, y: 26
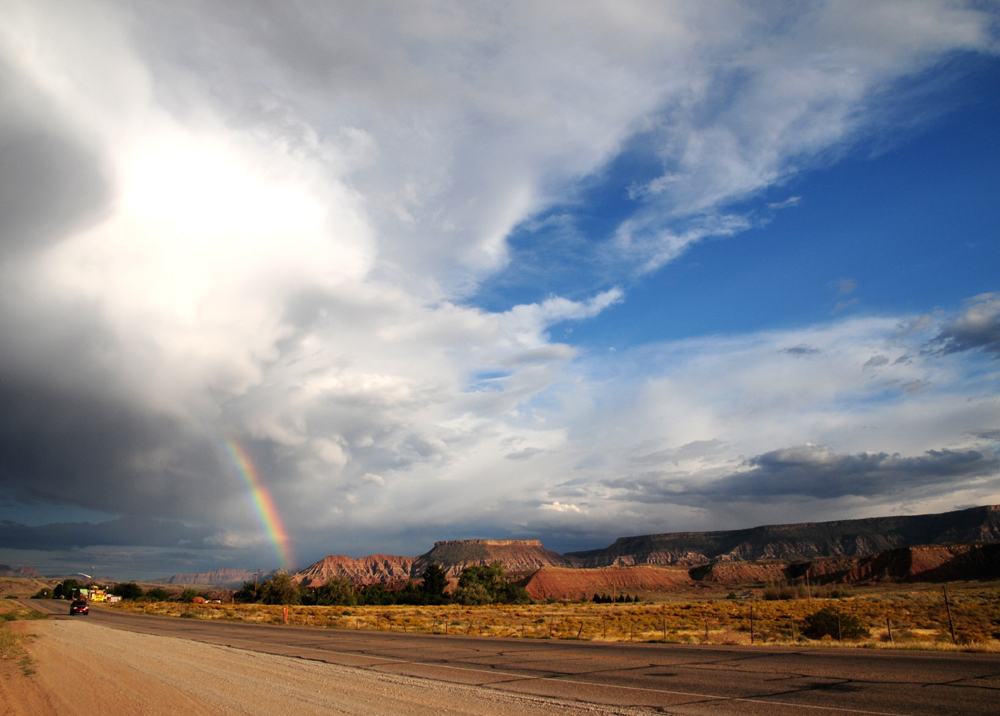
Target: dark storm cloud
x: 815, y: 472
x: 122, y: 532
x: 49, y: 181
x: 975, y: 328
x: 80, y: 448
x: 801, y: 350
x: 876, y: 361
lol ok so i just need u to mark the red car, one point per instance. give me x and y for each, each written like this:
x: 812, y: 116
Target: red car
x: 79, y: 606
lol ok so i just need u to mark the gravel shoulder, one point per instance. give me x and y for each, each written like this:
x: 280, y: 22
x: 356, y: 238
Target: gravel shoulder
x: 83, y: 668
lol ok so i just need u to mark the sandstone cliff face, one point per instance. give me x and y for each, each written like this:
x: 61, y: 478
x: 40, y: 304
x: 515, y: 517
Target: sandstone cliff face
x: 799, y: 541
x: 931, y: 563
x: 567, y: 583
x: 844, y: 550
x: 923, y: 563
x: 518, y: 556
x: 376, y: 569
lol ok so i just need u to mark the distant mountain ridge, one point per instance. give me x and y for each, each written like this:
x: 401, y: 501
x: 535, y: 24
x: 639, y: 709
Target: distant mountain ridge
x: 375, y: 569
x: 789, y: 543
x: 220, y: 577
x: 517, y: 556
x: 23, y: 572
x: 924, y: 563
x: 807, y: 540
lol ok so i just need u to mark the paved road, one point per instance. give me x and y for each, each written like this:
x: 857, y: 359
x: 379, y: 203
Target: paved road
x: 682, y: 679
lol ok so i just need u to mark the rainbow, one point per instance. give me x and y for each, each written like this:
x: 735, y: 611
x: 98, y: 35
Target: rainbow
x: 263, y: 503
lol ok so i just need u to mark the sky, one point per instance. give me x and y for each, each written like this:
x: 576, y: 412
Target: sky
x: 285, y: 280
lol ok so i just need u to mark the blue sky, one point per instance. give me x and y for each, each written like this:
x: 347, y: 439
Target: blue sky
x: 565, y: 272
x: 908, y: 216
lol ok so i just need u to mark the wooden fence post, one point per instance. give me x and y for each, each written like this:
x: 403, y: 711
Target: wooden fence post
x: 951, y: 625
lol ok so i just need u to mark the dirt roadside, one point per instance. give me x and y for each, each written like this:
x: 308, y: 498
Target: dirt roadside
x: 82, y: 668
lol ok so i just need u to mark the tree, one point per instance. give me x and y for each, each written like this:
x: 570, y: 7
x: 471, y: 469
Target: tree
x: 66, y: 589
x: 435, y: 582
x: 337, y: 591
x: 516, y: 594
x: 247, y: 594
x: 376, y: 594
x: 279, y: 590
x: 188, y: 595
x: 492, y: 579
x: 411, y: 594
x: 157, y: 594
x: 127, y: 590
x: 43, y: 593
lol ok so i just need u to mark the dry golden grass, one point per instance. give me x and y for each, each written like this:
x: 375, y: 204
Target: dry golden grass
x: 15, y: 610
x: 12, y: 640
x: 917, y: 616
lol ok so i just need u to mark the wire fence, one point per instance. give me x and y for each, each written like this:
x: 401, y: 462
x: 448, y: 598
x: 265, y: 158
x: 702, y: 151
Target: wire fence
x: 967, y: 618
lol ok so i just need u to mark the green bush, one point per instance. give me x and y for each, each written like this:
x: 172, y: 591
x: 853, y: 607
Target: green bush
x: 279, y: 590
x: 516, y: 594
x: 247, y: 594
x: 411, y: 595
x: 828, y: 622
x: 376, y: 595
x: 157, y: 594
x: 337, y: 591
x: 472, y: 594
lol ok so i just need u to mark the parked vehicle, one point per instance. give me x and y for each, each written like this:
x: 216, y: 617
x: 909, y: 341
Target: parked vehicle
x: 79, y: 606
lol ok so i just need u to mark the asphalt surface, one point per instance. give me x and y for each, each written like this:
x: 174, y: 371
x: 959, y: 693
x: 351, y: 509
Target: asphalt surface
x: 667, y: 678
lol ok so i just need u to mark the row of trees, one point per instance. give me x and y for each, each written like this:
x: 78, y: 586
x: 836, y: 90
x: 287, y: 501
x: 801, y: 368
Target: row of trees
x: 476, y: 585
x: 619, y: 599
x: 70, y: 588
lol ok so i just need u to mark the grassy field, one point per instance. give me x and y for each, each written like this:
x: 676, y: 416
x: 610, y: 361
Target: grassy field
x: 11, y: 640
x: 917, y: 616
